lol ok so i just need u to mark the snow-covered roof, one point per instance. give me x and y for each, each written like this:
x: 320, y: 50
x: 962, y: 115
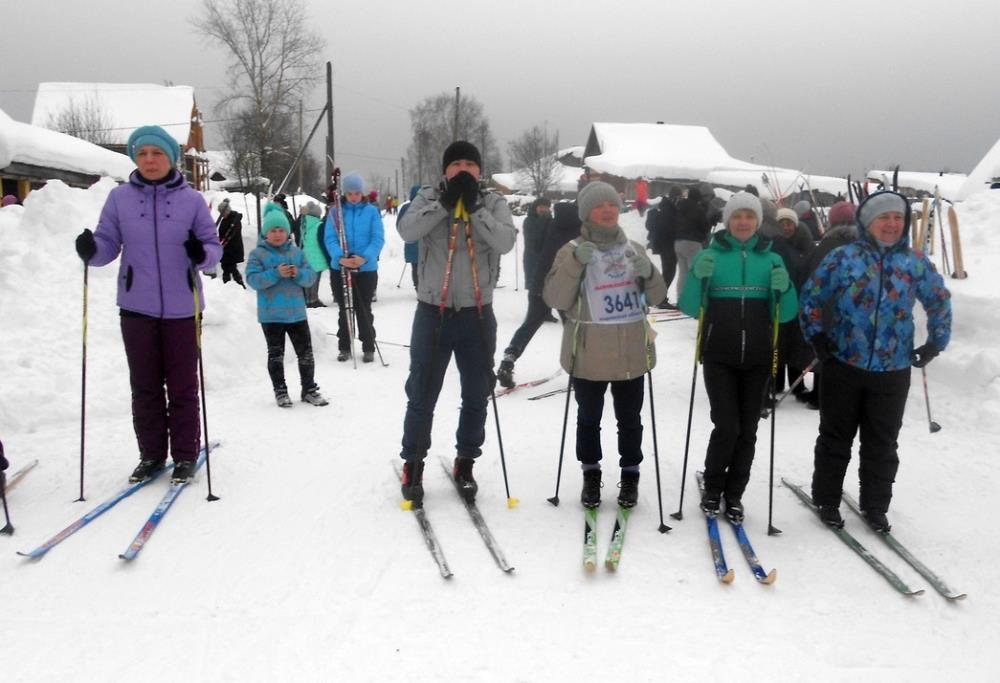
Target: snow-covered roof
x: 681, y: 152
x: 949, y: 183
x: 983, y: 174
x: 27, y: 144
x: 566, y: 178
x: 126, y: 106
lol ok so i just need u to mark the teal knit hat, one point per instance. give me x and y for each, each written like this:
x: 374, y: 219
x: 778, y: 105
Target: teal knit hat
x: 156, y: 136
x: 274, y: 217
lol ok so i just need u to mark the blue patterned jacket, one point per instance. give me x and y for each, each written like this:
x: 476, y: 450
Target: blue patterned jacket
x: 279, y: 299
x: 871, y: 291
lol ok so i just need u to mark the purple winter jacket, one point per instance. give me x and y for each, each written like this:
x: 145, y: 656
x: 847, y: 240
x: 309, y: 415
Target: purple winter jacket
x: 148, y: 224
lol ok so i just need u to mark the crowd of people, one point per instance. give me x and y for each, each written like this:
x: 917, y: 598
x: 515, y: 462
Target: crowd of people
x: 777, y: 293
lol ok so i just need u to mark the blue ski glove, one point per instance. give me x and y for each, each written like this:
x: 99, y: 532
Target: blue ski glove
x: 779, y: 279
x: 922, y: 355
x: 584, y: 252
x: 704, y: 267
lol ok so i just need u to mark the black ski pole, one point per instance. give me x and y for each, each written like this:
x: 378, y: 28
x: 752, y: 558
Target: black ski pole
x: 569, y: 390
x: 694, y: 381
x: 8, y: 528
x: 771, y: 529
x: 931, y: 424
x: 401, y: 274
x: 663, y: 528
x: 201, y: 379
x: 83, y: 383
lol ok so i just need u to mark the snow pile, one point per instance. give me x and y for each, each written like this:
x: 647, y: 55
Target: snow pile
x: 307, y: 570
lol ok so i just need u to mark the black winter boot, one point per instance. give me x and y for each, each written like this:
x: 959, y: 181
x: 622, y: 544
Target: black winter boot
x: 710, y: 503
x: 628, y: 489
x: 734, y: 511
x: 462, y: 471
x: 183, y: 471
x: 412, y: 485
x: 591, y: 495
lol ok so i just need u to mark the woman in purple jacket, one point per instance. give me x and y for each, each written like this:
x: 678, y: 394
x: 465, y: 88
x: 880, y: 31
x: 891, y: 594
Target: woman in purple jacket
x: 163, y: 230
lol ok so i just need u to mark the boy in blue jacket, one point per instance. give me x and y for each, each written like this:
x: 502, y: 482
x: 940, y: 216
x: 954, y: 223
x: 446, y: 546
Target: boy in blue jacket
x: 278, y: 270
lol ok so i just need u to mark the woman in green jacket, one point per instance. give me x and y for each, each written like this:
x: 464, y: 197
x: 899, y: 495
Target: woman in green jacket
x: 738, y: 284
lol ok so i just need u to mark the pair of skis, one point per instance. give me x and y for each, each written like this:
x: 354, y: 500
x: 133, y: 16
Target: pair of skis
x: 14, y: 479
x: 527, y: 385
x: 147, y: 529
x: 478, y: 521
x: 659, y: 315
x: 724, y: 573
x: 614, y: 555
x: 890, y: 576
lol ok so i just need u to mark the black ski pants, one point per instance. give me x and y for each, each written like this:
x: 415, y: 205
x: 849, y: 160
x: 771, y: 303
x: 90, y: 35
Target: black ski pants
x: 298, y: 333
x: 538, y: 311
x: 627, y: 395
x: 363, y: 285
x: 735, y: 395
x: 853, y: 399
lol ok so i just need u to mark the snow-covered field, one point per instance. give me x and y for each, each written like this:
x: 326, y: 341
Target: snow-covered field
x: 307, y: 569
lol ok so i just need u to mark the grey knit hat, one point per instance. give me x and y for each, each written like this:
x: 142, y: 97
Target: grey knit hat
x: 879, y: 203
x: 742, y: 200
x: 593, y: 195
x: 802, y: 207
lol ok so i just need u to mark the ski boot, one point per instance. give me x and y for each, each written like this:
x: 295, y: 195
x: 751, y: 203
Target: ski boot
x: 281, y: 398
x: 343, y: 355
x: 734, y: 511
x: 830, y: 514
x: 412, y: 485
x: 368, y: 357
x: 145, y: 470
x: 591, y: 494
x: 628, y: 489
x: 183, y: 471
x: 877, y: 521
x: 710, y: 503
x: 462, y: 472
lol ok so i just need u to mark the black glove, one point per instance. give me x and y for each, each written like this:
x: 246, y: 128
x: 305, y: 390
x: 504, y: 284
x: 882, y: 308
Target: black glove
x: 922, y: 355
x: 463, y: 185
x: 822, y: 347
x: 86, y: 247
x: 194, y: 248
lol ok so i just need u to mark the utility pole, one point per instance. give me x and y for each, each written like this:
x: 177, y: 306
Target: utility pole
x: 329, y: 122
x: 397, y: 183
x: 299, y: 189
x: 454, y: 134
x: 402, y: 164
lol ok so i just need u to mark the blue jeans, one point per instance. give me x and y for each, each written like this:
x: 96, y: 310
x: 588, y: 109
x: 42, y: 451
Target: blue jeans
x: 432, y: 342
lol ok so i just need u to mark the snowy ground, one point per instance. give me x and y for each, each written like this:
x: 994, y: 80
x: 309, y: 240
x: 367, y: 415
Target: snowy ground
x: 308, y: 570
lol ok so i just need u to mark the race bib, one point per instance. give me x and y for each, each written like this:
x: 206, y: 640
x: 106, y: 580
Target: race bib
x: 612, y: 290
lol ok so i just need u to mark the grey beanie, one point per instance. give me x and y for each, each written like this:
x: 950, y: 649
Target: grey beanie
x: 742, y: 200
x: 312, y: 209
x: 802, y: 207
x: 593, y: 195
x: 879, y: 203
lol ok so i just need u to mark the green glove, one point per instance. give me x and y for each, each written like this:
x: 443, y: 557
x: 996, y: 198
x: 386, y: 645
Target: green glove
x: 704, y: 267
x: 584, y: 252
x: 642, y: 266
x: 779, y: 279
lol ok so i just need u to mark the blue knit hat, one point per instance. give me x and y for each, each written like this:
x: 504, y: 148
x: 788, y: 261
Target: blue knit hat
x: 274, y: 217
x: 156, y: 136
x: 353, y: 182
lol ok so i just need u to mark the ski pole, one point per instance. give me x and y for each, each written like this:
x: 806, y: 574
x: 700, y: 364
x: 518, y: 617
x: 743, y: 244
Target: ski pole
x: 771, y: 529
x: 694, y: 381
x: 201, y: 379
x: 663, y: 528
x: 8, y: 528
x: 569, y: 390
x: 791, y: 388
x: 83, y: 383
x: 931, y: 424
x: 401, y: 274
x: 364, y: 309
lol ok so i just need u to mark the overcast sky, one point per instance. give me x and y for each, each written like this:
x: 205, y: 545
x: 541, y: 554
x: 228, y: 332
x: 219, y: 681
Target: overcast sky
x: 829, y: 86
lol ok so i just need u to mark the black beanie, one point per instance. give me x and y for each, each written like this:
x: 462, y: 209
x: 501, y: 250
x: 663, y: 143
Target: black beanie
x: 460, y: 149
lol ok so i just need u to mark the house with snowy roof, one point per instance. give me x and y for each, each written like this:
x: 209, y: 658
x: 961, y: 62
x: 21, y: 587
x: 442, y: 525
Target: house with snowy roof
x: 672, y: 154
x: 31, y: 156
x: 111, y: 111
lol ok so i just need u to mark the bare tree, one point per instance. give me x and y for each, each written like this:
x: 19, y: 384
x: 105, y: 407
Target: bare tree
x: 274, y: 58
x: 432, y: 124
x: 84, y: 119
x: 533, y: 156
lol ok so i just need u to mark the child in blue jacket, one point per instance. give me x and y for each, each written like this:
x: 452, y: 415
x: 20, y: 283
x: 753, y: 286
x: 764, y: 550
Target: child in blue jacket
x: 278, y: 270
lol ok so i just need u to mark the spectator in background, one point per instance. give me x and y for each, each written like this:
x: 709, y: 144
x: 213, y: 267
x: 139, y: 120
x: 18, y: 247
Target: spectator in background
x: 691, y: 235
x: 230, y: 226
x: 312, y: 227
x: 661, y: 230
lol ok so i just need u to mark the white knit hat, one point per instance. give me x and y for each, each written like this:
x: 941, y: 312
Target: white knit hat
x: 741, y: 200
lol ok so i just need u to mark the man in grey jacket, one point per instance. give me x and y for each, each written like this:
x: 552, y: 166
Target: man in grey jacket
x: 462, y: 232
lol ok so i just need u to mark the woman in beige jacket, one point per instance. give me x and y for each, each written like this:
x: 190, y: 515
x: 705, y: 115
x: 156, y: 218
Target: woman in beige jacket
x: 602, y: 280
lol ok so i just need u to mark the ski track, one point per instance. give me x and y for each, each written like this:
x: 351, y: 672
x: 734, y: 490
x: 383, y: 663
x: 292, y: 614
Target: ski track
x: 307, y: 569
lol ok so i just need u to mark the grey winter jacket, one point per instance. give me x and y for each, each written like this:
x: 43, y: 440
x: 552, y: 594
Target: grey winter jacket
x: 429, y: 222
